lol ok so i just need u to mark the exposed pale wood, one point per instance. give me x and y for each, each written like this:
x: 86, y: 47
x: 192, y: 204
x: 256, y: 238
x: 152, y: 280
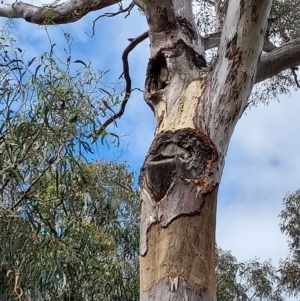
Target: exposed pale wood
x: 184, y: 249
x: 169, y: 288
x: 188, y: 98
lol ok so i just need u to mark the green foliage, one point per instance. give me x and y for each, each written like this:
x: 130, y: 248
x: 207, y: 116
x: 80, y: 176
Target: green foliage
x: 290, y: 225
x: 284, y: 22
x: 79, y: 241
x: 261, y: 281
x: 48, y: 110
x: 290, y: 219
x: 245, y: 281
x: 69, y: 228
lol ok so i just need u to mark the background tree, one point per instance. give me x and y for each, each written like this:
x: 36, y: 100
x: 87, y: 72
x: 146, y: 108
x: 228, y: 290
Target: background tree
x: 69, y: 227
x: 250, y: 280
x: 196, y: 109
x: 290, y: 225
x: 254, y: 280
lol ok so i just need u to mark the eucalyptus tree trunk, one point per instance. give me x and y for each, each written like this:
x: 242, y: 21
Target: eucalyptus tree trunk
x: 196, y: 109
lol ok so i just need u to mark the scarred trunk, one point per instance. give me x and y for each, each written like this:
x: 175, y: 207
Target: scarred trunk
x: 196, y: 109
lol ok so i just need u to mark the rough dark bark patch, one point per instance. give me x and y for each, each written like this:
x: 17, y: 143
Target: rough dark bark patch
x: 159, y: 75
x: 231, y: 48
x: 192, y: 56
x: 183, y: 154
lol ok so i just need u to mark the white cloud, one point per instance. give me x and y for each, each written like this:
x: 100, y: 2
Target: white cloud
x: 263, y: 164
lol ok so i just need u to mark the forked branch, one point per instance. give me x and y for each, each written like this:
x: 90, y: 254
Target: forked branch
x: 274, y: 61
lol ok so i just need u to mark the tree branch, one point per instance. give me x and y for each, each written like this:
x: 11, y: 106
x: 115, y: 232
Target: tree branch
x: 67, y: 12
x: 213, y: 40
x: 280, y: 59
x: 25, y: 193
x: 275, y: 61
x: 128, y: 49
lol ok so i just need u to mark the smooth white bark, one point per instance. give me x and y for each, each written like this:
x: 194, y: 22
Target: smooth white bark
x: 234, y: 74
x: 213, y: 40
x: 67, y: 12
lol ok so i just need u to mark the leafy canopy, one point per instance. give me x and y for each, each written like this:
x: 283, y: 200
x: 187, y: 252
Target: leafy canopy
x: 69, y: 227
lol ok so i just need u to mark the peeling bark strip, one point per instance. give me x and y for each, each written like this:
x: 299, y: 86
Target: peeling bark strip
x: 177, y: 165
x: 178, y: 219
x: 178, y: 206
x: 180, y: 258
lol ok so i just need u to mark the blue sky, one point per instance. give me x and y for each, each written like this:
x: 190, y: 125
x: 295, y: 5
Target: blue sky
x: 263, y: 160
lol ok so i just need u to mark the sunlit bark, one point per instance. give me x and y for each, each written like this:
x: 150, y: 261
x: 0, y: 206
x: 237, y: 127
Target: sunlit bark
x: 196, y: 110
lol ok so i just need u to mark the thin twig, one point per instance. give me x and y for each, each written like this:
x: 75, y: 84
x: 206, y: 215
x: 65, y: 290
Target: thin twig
x: 294, y: 69
x: 35, y: 181
x: 128, y: 49
x: 109, y: 15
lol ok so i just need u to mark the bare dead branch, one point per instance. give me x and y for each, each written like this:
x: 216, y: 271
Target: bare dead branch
x: 109, y: 15
x: 66, y: 12
x: 280, y: 59
x: 128, y: 49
